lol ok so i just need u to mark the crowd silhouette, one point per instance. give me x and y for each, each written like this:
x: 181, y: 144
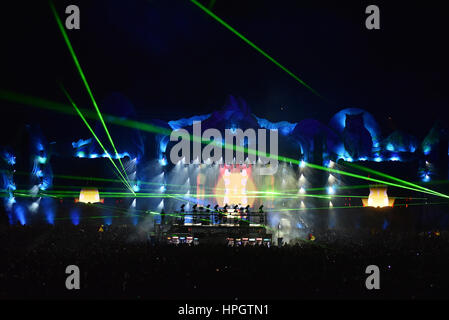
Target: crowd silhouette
x: 123, y: 262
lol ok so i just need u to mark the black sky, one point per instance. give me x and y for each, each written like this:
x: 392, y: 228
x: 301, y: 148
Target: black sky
x: 172, y: 60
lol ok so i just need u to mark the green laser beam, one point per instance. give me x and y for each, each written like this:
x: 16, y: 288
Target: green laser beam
x: 155, y: 129
x: 389, y: 177
x: 314, y: 166
x: 95, y: 136
x: 86, y: 84
x: 210, y: 13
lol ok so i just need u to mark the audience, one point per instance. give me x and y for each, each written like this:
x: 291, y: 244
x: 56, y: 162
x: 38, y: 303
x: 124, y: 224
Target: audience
x: 122, y: 262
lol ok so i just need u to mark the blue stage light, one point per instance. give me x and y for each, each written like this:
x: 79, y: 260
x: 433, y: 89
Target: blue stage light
x: 20, y: 214
x: 41, y: 160
x: 107, y: 221
x: 75, y: 217
x: 390, y: 147
x: 10, y: 159
x: 11, y: 200
x: 163, y: 162
x: 50, y: 216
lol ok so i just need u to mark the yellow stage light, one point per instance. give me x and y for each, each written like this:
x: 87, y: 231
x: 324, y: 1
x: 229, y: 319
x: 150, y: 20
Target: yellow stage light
x: 378, y: 198
x: 89, y: 195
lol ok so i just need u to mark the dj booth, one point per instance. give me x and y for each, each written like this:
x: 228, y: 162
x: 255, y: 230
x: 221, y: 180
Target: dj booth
x: 232, y: 227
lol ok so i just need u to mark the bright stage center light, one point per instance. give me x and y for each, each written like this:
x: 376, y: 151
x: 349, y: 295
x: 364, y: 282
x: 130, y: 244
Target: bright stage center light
x: 89, y: 195
x: 378, y: 198
x: 34, y: 206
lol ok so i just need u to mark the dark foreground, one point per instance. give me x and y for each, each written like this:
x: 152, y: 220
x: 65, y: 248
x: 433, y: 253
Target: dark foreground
x: 120, y: 263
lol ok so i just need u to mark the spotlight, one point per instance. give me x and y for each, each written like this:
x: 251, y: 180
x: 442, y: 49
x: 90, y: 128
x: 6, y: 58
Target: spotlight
x: 302, y: 164
x: 34, y: 206
x: 161, y: 204
x: 41, y: 159
x: 330, y: 190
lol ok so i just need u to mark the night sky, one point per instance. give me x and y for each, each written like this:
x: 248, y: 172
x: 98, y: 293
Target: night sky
x: 171, y: 60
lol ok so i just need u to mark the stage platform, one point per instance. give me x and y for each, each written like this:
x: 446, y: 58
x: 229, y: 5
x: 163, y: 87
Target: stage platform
x: 219, y: 233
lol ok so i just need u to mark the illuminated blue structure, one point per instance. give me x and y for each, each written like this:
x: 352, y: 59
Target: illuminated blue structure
x: 352, y: 135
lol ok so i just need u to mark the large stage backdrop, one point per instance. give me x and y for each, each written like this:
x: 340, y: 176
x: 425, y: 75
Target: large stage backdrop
x: 44, y: 180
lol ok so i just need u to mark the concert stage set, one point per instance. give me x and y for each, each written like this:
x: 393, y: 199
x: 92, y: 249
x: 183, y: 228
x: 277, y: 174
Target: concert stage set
x: 345, y: 175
